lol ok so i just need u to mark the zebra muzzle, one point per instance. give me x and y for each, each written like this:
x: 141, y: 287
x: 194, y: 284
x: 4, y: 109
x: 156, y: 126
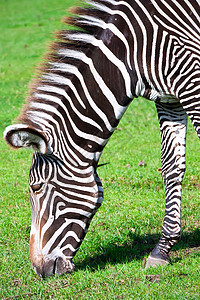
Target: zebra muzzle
x: 58, y: 266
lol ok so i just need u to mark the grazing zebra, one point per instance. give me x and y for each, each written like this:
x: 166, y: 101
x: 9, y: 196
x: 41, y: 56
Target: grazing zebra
x: 120, y: 50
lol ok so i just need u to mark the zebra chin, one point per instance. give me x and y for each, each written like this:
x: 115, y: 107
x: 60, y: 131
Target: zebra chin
x: 59, y: 266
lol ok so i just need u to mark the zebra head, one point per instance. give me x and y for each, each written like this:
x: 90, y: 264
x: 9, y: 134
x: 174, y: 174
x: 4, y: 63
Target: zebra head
x: 64, y: 198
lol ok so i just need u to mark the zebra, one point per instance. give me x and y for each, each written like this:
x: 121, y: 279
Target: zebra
x: 120, y: 50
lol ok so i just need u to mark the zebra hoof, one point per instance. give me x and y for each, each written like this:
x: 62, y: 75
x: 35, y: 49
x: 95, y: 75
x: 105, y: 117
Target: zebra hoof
x: 155, y: 261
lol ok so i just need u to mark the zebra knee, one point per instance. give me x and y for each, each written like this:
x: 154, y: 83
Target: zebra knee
x: 173, y: 175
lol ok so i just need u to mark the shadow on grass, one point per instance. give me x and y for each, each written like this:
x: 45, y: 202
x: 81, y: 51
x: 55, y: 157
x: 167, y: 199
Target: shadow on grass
x: 138, y: 249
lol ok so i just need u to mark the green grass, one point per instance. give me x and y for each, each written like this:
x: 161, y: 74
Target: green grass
x: 110, y: 263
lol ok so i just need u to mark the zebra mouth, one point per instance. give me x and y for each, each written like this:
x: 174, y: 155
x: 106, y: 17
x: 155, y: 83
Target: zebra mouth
x: 59, y: 266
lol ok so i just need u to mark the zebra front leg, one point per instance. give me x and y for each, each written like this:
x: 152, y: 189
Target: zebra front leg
x: 173, y: 125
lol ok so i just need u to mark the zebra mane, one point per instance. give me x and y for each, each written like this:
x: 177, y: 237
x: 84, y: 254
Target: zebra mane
x: 87, y: 23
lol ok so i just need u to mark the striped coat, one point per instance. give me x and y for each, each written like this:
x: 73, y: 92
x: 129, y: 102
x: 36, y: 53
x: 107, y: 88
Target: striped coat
x: 124, y: 49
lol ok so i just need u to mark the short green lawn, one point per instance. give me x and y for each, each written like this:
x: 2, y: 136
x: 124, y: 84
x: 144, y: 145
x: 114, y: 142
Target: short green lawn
x: 110, y: 263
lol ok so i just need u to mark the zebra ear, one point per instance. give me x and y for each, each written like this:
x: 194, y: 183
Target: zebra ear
x: 23, y: 136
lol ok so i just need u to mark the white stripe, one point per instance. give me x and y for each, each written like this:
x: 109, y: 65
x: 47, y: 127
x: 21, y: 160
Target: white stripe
x: 160, y: 63
x: 153, y: 48
x: 56, y: 234
x: 63, y: 93
x: 169, y: 78
x: 87, y: 38
x: 118, y: 109
x: 100, y: 23
x: 194, y: 12
x: 190, y: 30
x: 61, y: 80
x: 69, y: 246
x: 93, y: 199
x: 83, y: 198
x: 74, y: 211
x: 50, y: 108
x: 187, y: 80
x: 129, y: 24
x: 36, y: 115
x: 67, y: 223
x: 69, y: 175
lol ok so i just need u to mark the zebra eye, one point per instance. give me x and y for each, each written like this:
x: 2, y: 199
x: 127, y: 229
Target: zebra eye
x: 37, y: 187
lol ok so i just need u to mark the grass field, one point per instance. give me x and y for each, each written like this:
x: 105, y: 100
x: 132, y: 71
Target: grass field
x: 110, y: 263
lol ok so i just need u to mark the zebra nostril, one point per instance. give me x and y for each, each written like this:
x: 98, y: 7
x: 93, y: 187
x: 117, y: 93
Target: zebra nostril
x: 63, y: 265
x: 54, y: 266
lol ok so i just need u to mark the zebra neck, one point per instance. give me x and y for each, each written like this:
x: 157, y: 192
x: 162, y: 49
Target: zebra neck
x: 83, y: 90
x: 74, y: 117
